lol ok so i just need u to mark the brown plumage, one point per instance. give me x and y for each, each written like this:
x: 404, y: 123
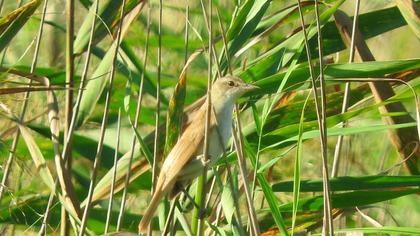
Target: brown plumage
x: 183, y: 163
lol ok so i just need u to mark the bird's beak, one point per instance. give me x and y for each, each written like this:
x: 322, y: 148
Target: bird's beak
x: 249, y: 87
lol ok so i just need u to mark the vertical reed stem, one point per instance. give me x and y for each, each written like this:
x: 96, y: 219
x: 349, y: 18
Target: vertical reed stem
x: 199, y: 213
x: 114, y: 174
x: 328, y: 224
x: 68, y: 109
x: 157, y: 133
x: 337, y: 151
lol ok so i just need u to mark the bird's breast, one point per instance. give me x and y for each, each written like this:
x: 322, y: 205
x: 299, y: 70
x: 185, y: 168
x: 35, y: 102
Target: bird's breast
x: 221, y: 133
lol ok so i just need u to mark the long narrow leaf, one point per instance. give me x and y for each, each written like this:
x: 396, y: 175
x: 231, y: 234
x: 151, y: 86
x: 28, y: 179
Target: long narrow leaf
x: 347, y: 183
x: 13, y: 22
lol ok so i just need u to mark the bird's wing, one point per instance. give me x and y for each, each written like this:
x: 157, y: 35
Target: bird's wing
x: 187, y: 146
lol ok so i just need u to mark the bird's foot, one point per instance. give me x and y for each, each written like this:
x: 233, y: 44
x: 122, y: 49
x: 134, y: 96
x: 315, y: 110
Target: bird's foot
x: 204, y: 161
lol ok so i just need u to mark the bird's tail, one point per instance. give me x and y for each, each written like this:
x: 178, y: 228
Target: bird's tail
x: 148, y: 215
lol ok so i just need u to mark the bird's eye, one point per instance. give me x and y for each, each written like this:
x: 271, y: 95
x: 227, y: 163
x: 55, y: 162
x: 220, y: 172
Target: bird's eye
x: 231, y: 83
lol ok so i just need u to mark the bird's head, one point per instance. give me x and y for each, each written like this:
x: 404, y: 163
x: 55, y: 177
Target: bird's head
x: 230, y: 88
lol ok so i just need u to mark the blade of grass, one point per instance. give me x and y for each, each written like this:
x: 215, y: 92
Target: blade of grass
x: 344, y: 131
x: 377, y: 69
x: 410, y: 11
x: 107, y: 11
x: 13, y: 22
x: 94, y: 87
x: 350, y: 199
x: 254, y: 11
x: 267, y: 26
x: 34, y: 150
x: 297, y: 167
x: 176, y: 106
x: 284, y: 52
x: 138, y: 170
x: 272, y: 201
x: 348, y: 183
x: 412, y: 90
x: 111, y: 193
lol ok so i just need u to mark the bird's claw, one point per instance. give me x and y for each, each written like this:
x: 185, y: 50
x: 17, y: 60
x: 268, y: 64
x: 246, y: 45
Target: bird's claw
x: 205, y: 162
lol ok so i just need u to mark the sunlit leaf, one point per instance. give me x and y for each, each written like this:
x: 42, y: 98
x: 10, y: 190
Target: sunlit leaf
x: 13, y: 22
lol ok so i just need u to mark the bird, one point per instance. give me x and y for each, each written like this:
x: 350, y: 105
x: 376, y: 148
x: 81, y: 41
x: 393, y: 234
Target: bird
x: 184, y: 162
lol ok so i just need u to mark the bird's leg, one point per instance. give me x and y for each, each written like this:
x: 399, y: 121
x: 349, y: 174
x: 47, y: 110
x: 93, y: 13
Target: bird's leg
x: 186, y: 194
x: 203, y: 212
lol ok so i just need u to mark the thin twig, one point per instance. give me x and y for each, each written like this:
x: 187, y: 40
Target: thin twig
x: 225, y: 44
x: 136, y: 121
x: 69, y: 77
x: 43, y: 229
x: 114, y: 174
x: 186, y: 36
x: 337, y: 151
x: 237, y: 138
x: 212, y: 186
x: 157, y: 133
x: 201, y: 193
x: 98, y: 155
x: 206, y: 21
x: 327, y: 225
x: 68, y: 109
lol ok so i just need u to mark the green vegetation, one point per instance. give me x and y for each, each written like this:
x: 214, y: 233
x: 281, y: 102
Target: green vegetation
x: 82, y: 84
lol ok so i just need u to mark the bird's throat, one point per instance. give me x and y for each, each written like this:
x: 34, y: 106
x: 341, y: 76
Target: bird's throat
x: 224, y: 121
